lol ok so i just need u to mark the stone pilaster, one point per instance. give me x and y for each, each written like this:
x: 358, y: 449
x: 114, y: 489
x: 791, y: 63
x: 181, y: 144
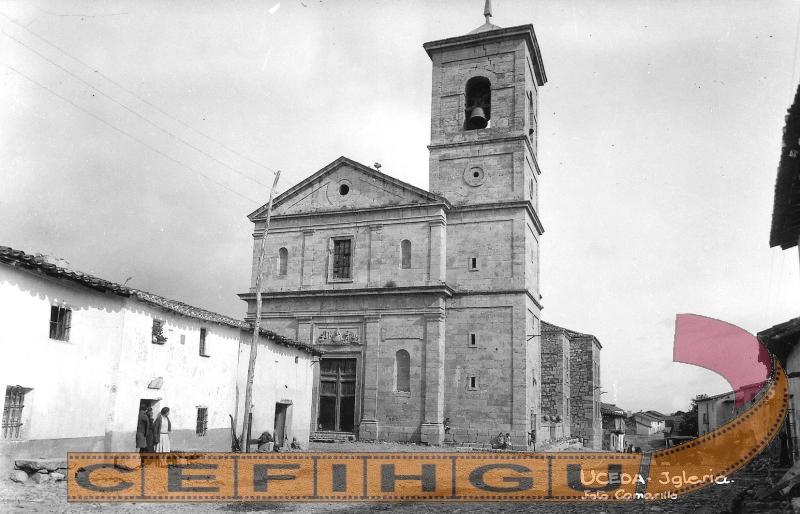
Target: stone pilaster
x: 304, y: 330
x: 307, y: 264
x: 437, y: 251
x: 432, y: 430
x: 368, y: 428
x: 373, y: 242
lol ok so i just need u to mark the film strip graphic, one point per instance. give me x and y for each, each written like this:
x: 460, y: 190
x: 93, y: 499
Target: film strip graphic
x: 421, y: 476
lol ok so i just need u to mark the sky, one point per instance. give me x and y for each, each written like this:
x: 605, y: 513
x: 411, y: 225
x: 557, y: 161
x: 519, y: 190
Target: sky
x: 137, y: 136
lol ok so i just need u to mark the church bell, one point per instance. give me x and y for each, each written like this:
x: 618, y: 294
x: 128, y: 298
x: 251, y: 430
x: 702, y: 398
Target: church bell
x: 477, y: 119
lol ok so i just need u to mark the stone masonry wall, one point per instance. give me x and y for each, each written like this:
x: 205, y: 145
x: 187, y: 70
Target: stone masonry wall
x: 585, y: 391
x: 556, y: 375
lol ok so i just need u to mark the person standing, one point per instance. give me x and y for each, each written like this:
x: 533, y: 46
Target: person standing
x: 161, y: 429
x: 151, y: 435
x: 143, y: 428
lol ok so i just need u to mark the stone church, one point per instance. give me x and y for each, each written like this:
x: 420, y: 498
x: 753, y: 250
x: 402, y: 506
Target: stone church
x: 426, y: 303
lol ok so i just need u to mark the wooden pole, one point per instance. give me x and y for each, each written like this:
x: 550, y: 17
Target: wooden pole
x: 251, y: 366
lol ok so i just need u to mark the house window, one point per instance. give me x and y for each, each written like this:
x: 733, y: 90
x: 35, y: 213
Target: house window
x: 473, y: 263
x: 283, y: 259
x: 472, y: 383
x: 60, y: 320
x: 342, y: 253
x: 472, y: 339
x: 405, y: 254
x: 402, y: 371
x: 202, y: 421
x: 12, y: 411
x: 203, y: 342
x: 158, y: 332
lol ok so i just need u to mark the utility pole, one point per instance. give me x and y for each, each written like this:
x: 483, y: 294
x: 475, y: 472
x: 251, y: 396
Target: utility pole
x: 251, y: 367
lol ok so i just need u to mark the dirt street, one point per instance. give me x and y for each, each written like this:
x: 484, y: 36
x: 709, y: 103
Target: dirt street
x: 736, y: 497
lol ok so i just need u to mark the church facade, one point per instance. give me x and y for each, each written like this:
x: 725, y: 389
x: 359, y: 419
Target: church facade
x: 426, y: 303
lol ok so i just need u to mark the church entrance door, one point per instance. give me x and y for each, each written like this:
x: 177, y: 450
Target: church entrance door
x: 337, y: 395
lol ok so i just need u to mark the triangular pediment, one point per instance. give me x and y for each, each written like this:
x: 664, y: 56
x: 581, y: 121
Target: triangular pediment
x: 346, y: 185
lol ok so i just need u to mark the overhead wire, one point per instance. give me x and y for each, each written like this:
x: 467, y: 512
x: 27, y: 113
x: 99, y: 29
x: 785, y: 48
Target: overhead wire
x: 135, y: 95
x: 138, y: 115
x: 131, y: 136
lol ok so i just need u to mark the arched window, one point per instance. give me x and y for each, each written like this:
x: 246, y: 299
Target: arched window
x: 478, y: 103
x: 405, y: 253
x: 283, y: 259
x: 402, y: 371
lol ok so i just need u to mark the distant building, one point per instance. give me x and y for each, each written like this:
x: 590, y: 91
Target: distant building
x: 643, y: 423
x: 79, y: 356
x: 714, y: 411
x: 571, y: 385
x: 783, y: 340
x: 613, y: 427
x: 657, y: 415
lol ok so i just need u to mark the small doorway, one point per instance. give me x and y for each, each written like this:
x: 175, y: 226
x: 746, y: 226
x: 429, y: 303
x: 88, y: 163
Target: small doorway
x: 150, y: 403
x: 337, y: 395
x: 280, y: 424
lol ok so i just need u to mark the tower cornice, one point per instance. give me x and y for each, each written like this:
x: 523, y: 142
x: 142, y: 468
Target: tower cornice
x: 521, y: 31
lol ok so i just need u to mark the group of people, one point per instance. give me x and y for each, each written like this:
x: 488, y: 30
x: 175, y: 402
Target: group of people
x: 502, y: 441
x: 152, y: 435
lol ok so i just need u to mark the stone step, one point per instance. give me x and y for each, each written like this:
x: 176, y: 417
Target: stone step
x: 332, y: 437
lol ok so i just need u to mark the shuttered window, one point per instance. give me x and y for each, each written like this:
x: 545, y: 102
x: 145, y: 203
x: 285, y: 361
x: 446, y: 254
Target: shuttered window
x: 342, y: 251
x: 202, y: 421
x: 60, y: 319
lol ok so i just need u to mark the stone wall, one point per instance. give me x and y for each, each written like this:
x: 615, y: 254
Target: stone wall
x: 556, y: 385
x: 585, y: 390
x: 480, y: 412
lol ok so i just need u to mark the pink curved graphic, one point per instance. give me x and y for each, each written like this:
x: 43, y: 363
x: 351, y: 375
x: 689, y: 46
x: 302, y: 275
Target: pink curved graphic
x: 725, y: 349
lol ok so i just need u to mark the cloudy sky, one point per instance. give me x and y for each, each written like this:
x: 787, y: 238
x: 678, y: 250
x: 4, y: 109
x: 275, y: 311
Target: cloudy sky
x: 135, y: 137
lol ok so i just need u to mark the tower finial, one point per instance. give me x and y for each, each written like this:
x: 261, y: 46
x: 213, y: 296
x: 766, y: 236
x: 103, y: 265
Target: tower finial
x: 487, y: 10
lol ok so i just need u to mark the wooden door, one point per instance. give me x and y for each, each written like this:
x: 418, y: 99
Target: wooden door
x: 337, y: 395
x: 280, y: 424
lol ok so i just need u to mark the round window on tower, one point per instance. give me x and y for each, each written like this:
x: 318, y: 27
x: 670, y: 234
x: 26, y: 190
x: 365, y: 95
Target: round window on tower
x: 344, y: 189
x: 474, y: 176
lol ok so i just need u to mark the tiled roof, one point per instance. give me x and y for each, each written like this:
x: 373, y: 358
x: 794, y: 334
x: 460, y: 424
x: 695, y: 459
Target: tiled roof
x: 40, y: 264
x: 786, y: 208
x: 647, y: 416
x: 781, y: 331
x: 549, y: 327
x: 610, y: 408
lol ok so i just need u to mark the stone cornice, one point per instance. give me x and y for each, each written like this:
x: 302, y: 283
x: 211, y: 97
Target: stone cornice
x: 491, y: 206
x: 485, y: 292
x: 524, y: 32
x: 506, y: 139
x: 316, y: 214
x: 440, y: 289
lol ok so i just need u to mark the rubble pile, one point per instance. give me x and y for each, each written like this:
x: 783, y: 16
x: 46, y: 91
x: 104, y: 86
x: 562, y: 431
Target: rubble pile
x: 38, y: 471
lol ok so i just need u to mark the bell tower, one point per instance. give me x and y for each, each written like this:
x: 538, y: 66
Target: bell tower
x: 483, y: 115
x: 483, y: 160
